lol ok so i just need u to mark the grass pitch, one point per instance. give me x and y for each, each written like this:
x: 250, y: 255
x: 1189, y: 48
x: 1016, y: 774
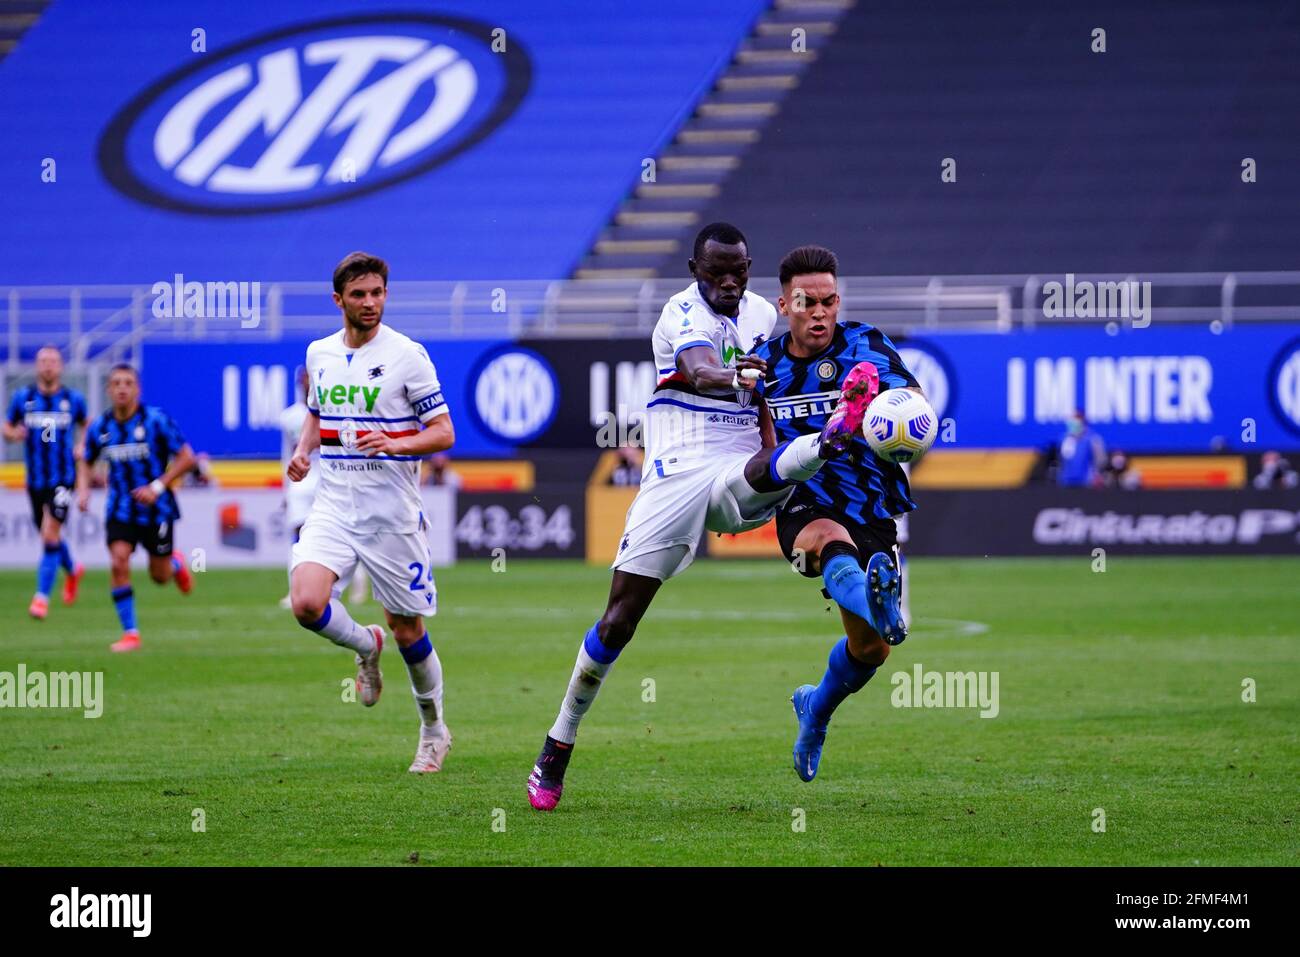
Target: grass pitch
x: 1120, y: 691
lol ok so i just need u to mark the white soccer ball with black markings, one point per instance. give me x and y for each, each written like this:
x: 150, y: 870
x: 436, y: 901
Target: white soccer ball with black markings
x: 900, y: 426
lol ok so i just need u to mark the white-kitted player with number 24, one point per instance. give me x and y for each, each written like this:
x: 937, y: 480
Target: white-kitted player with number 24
x: 377, y: 410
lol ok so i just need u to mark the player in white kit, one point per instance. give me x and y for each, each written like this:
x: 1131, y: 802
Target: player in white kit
x: 711, y: 463
x: 298, y: 496
x: 376, y: 410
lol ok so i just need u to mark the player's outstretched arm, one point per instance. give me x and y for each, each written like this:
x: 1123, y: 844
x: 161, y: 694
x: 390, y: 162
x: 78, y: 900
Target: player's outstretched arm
x: 700, y: 366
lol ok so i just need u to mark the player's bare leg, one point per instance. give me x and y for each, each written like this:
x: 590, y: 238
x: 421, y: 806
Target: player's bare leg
x: 426, y: 685
x: 826, y: 546
x: 311, y: 593
x: 119, y: 576
x: 167, y: 568
x: 629, y: 597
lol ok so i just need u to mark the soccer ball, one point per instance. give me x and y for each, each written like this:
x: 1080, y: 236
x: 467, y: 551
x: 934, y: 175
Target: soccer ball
x: 899, y: 425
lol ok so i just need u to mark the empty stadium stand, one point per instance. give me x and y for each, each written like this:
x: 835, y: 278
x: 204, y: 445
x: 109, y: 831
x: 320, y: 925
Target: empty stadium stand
x: 664, y: 210
x: 16, y: 18
x: 1066, y: 160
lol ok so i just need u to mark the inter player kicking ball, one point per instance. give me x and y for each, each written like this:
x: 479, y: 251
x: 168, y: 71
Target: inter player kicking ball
x: 838, y: 525
x: 146, y: 453
x: 376, y: 411
x: 711, y: 463
x: 45, y: 417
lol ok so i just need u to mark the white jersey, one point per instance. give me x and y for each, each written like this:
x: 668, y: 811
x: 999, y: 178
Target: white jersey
x: 683, y: 424
x: 388, y: 385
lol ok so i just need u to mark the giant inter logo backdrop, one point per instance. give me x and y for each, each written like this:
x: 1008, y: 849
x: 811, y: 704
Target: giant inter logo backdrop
x: 1284, y: 385
x: 314, y: 114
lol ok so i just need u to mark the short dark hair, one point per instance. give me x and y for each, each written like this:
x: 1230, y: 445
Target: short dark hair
x: 358, y: 264
x: 124, y: 367
x: 724, y: 233
x: 807, y: 260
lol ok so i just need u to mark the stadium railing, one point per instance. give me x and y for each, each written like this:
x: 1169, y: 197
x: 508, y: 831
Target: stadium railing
x: 98, y: 324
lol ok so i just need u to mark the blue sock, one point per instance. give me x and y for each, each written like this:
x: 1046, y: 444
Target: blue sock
x: 46, y: 570
x: 176, y: 564
x: 846, y: 582
x: 417, y: 652
x: 65, y: 558
x: 844, y: 675
x: 596, y: 649
x: 124, y: 599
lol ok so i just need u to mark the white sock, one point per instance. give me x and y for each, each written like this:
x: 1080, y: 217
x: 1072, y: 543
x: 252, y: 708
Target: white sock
x: 426, y: 686
x: 799, y: 461
x: 752, y: 502
x: 587, y: 676
x: 342, y: 630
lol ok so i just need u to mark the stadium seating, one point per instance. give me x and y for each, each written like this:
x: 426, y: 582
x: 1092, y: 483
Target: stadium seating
x: 1122, y: 161
x: 16, y: 18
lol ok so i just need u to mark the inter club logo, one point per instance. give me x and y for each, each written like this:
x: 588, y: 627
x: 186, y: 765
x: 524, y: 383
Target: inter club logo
x: 1284, y: 385
x: 315, y: 113
x: 930, y: 368
x: 515, y: 395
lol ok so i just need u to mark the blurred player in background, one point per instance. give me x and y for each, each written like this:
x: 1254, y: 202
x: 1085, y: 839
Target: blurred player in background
x: 376, y: 410
x: 1083, y: 454
x: 146, y: 454
x: 711, y: 462
x: 438, y: 472
x: 629, y: 462
x: 297, y: 495
x: 838, y: 525
x: 47, y: 418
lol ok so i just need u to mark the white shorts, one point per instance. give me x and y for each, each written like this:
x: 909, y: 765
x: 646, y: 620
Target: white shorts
x: 297, y: 506
x: 400, y: 566
x: 672, y: 511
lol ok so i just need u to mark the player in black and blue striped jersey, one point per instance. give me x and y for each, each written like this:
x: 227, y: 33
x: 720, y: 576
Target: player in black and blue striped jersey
x: 47, y: 417
x: 838, y: 525
x: 146, y: 453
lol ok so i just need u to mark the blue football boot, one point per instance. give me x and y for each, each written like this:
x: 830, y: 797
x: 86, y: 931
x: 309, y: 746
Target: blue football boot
x: 883, y: 584
x: 808, y: 743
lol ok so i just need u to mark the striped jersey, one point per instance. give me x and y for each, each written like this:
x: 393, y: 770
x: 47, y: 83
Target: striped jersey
x: 683, y: 424
x: 50, y: 418
x: 388, y: 385
x: 137, y: 451
x: 801, y: 394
